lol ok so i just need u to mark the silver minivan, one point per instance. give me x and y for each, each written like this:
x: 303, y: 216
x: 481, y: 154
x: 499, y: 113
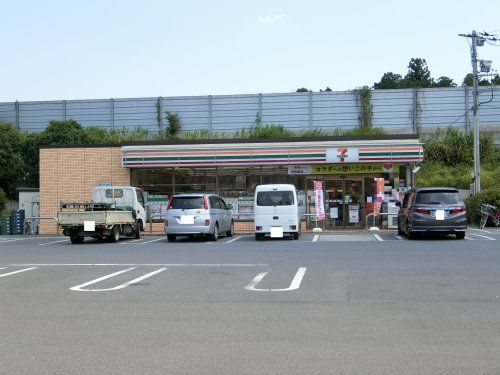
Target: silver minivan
x: 198, y: 214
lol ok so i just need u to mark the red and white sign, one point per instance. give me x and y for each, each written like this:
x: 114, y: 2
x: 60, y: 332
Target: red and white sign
x: 342, y: 155
x: 318, y: 196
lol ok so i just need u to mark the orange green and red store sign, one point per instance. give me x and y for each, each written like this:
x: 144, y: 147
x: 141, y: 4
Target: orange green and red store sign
x: 135, y: 157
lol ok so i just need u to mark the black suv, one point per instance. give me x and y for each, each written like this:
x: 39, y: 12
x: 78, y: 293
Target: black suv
x: 432, y: 210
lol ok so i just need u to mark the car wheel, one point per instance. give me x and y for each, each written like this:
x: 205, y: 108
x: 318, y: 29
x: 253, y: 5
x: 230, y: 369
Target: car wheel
x: 230, y: 232
x: 400, y: 232
x: 460, y: 235
x: 137, y: 230
x: 215, y: 235
x: 75, y: 238
x: 115, y: 234
x: 171, y: 237
x: 259, y: 237
x: 411, y: 235
x: 296, y: 236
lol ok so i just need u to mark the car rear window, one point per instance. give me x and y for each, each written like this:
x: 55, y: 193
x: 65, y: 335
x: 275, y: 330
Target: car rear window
x: 187, y: 203
x: 437, y: 197
x: 275, y: 198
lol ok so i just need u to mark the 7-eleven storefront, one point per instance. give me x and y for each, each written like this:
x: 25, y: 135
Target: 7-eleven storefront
x: 348, y: 169
x: 355, y: 173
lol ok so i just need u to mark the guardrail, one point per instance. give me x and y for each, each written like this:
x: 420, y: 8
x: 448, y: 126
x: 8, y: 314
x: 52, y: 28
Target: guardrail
x: 33, y: 218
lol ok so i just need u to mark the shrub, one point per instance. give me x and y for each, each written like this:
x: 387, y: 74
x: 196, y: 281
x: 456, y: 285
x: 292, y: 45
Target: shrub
x: 473, y: 204
x: 174, y: 124
x: 452, y: 146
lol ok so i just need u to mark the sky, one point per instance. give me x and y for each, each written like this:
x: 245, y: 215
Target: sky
x: 53, y: 50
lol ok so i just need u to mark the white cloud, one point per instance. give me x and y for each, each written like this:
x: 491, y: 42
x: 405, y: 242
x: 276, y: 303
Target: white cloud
x: 271, y: 19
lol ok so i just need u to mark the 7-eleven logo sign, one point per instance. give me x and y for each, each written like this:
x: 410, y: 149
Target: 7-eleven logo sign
x: 342, y: 155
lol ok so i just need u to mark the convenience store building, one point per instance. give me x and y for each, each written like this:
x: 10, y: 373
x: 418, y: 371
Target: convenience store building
x: 347, y: 166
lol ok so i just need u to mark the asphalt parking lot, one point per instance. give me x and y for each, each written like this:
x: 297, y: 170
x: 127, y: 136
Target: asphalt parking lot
x: 343, y: 303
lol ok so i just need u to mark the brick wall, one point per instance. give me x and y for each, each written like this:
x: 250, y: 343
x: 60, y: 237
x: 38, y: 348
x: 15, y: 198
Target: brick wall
x: 69, y: 174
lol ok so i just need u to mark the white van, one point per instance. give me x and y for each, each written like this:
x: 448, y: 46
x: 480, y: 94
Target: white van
x: 276, y: 211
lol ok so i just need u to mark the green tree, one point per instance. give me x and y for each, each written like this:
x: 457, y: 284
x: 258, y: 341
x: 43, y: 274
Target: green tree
x: 3, y: 199
x: 303, y: 89
x: 389, y: 81
x: 12, y: 166
x: 444, y: 81
x: 469, y: 81
x: 418, y: 74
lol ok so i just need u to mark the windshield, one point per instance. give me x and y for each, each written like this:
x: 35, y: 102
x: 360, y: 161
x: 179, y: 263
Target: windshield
x: 183, y: 203
x: 437, y: 197
x: 275, y: 198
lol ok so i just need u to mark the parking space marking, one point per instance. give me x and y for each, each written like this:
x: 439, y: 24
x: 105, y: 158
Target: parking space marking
x: 11, y: 240
x: 468, y: 238
x: 399, y: 237
x: 18, y: 271
x: 480, y: 230
x: 480, y: 235
x: 315, y: 238
x: 157, y: 239
x: 129, y: 242
x: 48, y: 243
x: 79, y: 288
x: 294, y: 285
x: 234, y: 239
x: 377, y: 237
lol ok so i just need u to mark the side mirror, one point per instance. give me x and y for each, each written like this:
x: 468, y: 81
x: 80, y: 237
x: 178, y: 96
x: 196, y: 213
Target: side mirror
x: 398, y: 204
x: 229, y: 206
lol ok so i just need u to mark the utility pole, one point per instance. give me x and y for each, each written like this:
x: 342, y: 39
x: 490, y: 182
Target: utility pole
x: 477, y: 157
x: 477, y: 40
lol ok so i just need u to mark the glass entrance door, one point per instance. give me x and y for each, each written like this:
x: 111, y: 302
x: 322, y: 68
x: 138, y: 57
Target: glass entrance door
x: 334, y: 203
x: 343, y: 200
x: 353, y: 202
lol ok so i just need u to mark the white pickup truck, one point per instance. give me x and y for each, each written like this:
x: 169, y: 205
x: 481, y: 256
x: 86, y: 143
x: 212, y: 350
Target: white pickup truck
x: 114, y: 212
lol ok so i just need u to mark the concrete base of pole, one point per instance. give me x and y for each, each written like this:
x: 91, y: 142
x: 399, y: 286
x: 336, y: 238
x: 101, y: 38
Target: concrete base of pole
x: 317, y: 230
x: 373, y: 229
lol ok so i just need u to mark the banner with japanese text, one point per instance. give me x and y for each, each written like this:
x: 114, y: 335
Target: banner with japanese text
x: 319, y: 199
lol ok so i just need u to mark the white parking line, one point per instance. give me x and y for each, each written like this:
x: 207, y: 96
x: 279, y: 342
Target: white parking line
x: 234, y: 239
x: 18, y: 271
x: 157, y: 239
x: 468, y: 238
x: 480, y: 230
x: 378, y: 237
x: 480, y: 235
x: 48, y: 243
x: 11, y: 240
x: 399, y: 237
x: 121, y: 286
x: 129, y: 242
x: 315, y: 238
x: 294, y: 285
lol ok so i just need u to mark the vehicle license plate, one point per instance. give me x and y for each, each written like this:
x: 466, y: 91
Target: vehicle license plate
x: 88, y: 226
x: 276, y: 232
x: 187, y: 219
x: 439, y: 214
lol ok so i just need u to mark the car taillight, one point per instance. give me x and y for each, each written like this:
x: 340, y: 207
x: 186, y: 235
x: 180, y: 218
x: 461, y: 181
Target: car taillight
x: 205, y: 204
x: 293, y: 227
x: 421, y: 210
x: 207, y: 223
x: 169, y: 204
x: 457, y: 210
x: 165, y: 222
x: 258, y: 227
